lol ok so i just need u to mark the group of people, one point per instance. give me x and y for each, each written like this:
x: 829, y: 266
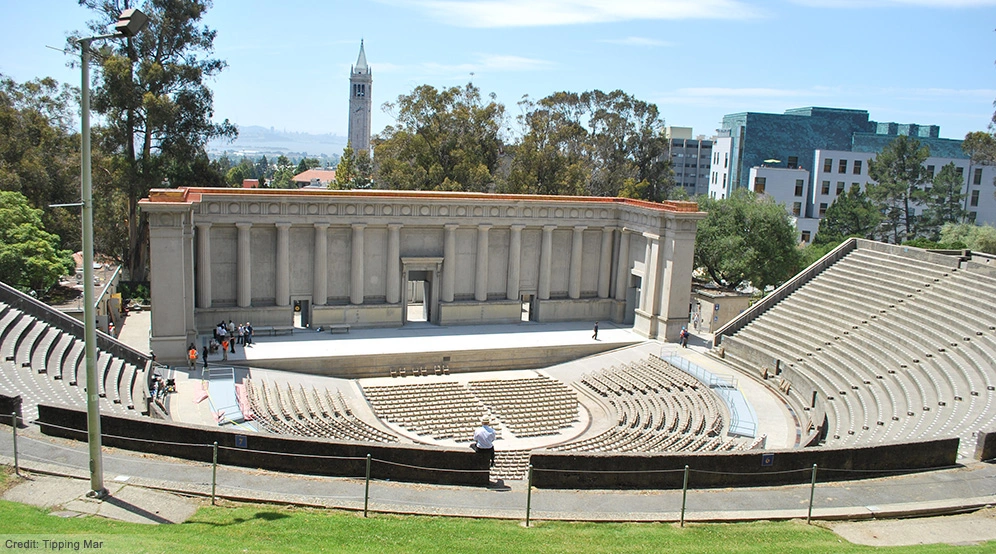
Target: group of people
x: 161, y: 388
x: 226, y: 336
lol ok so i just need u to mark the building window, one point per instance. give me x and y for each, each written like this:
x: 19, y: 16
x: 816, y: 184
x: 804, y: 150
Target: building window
x: 793, y: 162
x: 825, y: 188
x: 797, y: 209
x: 805, y: 236
x: 975, y: 199
x: 972, y: 216
x: 842, y: 168
x: 798, y: 187
x: 930, y: 172
x: 840, y: 187
x: 823, y: 209
x: 726, y: 158
x: 759, y: 183
x: 857, y: 167
x: 977, y: 177
x: 359, y: 90
x: 960, y: 172
x: 827, y: 165
x: 724, y: 180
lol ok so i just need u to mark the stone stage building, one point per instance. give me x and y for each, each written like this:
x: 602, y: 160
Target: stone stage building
x: 359, y: 258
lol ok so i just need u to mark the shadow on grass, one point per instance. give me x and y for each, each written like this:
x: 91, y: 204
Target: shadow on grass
x: 258, y: 516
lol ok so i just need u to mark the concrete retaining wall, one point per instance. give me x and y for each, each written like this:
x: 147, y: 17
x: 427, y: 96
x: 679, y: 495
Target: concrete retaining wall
x: 556, y: 470
x: 9, y: 404
x: 458, y: 361
x: 259, y: 451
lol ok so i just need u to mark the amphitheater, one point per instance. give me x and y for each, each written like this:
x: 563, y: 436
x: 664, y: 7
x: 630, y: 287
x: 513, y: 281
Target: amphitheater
x: 876, y: 358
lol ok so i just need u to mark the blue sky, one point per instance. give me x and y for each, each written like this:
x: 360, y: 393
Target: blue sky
x: 911, y: 61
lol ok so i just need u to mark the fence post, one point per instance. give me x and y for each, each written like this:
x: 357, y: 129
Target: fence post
x: 529, y: 493
x: 366, y: 489
x: 684, y: 495
x: 812, y: 492
x: 214, y: 470
x: 13, y: 425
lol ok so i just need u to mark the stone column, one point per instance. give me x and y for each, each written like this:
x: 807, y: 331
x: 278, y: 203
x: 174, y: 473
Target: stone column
x: 622, y: 267
x: 244, y: 271
x: 283, y: 264
x: 577, y: 249
x: 514, y: 262
x: 645, y: 285
x: 651, y: 286
x: 605, y: 263
x: 394, y: 263
x: 204, y: 265
x: 546, y: 261
x: 320, y: 292
x: 356, y: 265
x: 481, y: 275
x: 449, y: 262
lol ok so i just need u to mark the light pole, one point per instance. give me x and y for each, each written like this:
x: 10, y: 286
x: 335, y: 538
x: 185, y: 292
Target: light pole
x: 129, y: 24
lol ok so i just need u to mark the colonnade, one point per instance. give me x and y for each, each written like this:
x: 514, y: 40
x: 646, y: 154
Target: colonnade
x: 393, y: 269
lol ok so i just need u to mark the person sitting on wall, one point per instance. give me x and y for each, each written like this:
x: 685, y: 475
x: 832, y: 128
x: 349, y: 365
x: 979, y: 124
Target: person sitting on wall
x: 484, y: 441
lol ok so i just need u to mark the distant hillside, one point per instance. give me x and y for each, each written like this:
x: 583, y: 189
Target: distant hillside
x: 254, y: 139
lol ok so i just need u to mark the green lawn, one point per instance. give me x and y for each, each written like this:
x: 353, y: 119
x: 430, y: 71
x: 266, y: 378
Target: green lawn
x: 256, y: 528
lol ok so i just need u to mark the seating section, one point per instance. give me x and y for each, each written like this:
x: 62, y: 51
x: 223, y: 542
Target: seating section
x: 440, y: 410
x: 45, y: 363
x: 285, y: 409
x: 658, y: 408
x: 901, y: 348
x: 529, y: 407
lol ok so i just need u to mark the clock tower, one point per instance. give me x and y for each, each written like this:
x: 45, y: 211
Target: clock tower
x: 360, y: 103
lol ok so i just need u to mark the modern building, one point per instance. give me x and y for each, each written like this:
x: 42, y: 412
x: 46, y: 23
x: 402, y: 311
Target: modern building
x: 352, y: 258
x: 360, y: 103
x: 806, y: 157
x: 690, y: 159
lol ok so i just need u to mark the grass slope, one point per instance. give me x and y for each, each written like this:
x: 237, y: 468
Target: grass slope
x: 254, y: 529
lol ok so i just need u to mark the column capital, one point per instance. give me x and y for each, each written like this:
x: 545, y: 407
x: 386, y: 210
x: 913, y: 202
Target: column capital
x: 451, y: 226
x: 609, y: 228
x: 517, y: 227
x: 203, y: 224
x: 243, y: 225
x: 484, y: 226
x: 395, y: 226
x: 652, y: 236
x: 626, y: 231
x: 549, y: 228
x: 358, y: 226
x: 282, y: 225
x: 322, y: 225
x: 580, y: 227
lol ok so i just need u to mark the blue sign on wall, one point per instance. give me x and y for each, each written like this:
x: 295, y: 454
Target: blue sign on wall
x: 767, y: 460
x: 241, y: 441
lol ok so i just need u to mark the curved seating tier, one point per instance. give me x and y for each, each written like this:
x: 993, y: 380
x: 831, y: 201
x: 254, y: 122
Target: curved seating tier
x: 284, y: 409
x: 529, y: 407
x: 657, y: 408
x: 902, y: 346
x: 45, y: 363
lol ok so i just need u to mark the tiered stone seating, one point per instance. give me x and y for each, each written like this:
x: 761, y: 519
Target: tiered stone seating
x: 658, y: 409
x: 529, y: 407
x: 45, y: 363
x: 441, y: 410
x: 285, y: 410
x: 902, y: 348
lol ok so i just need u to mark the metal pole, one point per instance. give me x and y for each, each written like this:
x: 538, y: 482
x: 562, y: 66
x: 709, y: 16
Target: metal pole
x: 214, y: 470
x: 89, y: 316
x: 13, y: 420
x: 684, y: 496
x: 812, y: 493
x: 366, y: 489
x: 529, y: 494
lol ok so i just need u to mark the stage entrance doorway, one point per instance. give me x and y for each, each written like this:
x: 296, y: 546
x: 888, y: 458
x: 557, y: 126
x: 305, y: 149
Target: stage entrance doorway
x: 420, y: 289
x: 302, y: 314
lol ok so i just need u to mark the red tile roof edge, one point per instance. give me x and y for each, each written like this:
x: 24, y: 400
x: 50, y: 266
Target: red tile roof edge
x: 190, y: 195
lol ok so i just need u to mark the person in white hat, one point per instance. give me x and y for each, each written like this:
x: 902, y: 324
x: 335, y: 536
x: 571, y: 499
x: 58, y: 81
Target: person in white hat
x: 484, y: 440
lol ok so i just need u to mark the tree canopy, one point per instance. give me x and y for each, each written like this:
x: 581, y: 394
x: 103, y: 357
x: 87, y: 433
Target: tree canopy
x: 851, y: 214
x: 156, y: 105
x: 980, y: 238
x: 943, y: 201
x: 900, y: 174
x: 30, y: 258
x: 746, y: 239
x: 447, y: 139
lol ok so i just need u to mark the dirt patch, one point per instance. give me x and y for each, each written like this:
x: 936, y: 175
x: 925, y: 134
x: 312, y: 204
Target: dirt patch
x: 963, y: 529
